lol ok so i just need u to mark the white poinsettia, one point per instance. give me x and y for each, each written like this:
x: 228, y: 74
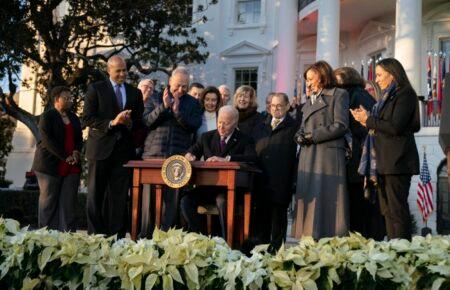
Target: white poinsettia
x: 196, y: 262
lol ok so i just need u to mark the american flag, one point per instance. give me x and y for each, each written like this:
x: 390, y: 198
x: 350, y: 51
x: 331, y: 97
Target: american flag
x: 425, y: 191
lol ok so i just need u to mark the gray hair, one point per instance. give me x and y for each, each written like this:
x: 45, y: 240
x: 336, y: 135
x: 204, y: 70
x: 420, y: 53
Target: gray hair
x: 229, y: 109
x: 142, y: 82
x: 180, y: 70
x: 223, y: 87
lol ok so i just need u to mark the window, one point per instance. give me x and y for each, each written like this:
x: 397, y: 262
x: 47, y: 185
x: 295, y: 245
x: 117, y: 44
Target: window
x: 373, y: 60
x: 445, y: 46
x: 248, y: 11
x: 246, y: 76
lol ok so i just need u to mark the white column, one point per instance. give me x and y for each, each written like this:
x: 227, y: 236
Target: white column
x: 408, y: 29
x: 286, y: 55
x: 328, y: 28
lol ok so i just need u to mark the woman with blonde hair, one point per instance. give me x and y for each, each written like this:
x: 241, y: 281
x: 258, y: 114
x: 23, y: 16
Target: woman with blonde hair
x: 250, y: 120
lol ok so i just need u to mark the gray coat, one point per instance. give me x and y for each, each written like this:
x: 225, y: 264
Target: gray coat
x: 322, y: 199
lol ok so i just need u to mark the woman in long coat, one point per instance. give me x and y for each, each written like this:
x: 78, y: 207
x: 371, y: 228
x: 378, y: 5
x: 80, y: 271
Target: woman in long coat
x: 322, y: 198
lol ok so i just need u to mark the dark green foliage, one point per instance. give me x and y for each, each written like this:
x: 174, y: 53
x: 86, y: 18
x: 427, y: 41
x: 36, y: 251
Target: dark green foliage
x: 68, y: 42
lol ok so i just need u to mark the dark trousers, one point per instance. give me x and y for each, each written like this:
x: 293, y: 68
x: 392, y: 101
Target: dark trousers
x: 394, y: 205
x: 147, y: 220
x: 108, y: 186
x: 203, y: 195
x: 58, y: 201
x: 271, y: 223
x: 170, y: 209
x: 365, y: 215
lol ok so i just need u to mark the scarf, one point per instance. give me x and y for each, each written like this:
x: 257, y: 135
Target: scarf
x: 368, y: 164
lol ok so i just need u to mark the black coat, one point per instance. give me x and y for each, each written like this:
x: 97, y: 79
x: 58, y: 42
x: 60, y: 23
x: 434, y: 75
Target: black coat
x: 251, y: 123
x: 277, y: 159
x: 100, y: 107
x: 240, y: 147
x: 358, y: 97
x: 170, y: 133
x: 50, y: 149
x: 394, y: 133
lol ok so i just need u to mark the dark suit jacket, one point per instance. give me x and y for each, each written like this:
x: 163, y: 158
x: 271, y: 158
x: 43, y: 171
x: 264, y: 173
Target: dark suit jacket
x: 240, y: 147
x: 277, y: 159
x: 394, y: 133
x: 100, y: 107
x: 50, y: 149
x: 170, y: 133
x: 358, y: 96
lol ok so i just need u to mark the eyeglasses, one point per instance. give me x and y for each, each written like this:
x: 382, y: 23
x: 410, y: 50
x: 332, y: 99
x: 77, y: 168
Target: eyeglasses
x: 279, y: 106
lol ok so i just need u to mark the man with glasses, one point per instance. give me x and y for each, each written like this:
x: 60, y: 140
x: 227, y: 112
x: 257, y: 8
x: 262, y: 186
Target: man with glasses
x: 277, y: 159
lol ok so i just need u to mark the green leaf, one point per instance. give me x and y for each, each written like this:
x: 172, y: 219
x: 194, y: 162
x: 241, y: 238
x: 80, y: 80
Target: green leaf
x: 167, y: 282
x: 437, y: 283
x: 44, y: 257
x: 173, y: 271
x: 192, y: 272
x: 150, y: 281
x: 29, y: 284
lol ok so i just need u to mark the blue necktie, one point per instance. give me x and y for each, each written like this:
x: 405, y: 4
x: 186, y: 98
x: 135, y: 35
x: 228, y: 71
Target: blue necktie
x: 119, y: 97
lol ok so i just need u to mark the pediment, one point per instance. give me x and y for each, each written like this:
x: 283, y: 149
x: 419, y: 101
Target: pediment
x: 244, y: 48
x: 374, y: 29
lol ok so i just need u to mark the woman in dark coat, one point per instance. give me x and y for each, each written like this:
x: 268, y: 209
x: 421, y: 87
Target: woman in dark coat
x: 250, y: 120
x: 322, y: 198
x: 277, y: 159
x: 393, y: 122
x: 365, y: 216
x: 57, y: 163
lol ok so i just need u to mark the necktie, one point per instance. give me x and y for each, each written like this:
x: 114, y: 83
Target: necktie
x: 222, y: 144
x: 275, y: 123
x: 119, y: 97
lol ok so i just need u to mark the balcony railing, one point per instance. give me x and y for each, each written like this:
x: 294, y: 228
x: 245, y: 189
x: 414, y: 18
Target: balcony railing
x: 303, y: 3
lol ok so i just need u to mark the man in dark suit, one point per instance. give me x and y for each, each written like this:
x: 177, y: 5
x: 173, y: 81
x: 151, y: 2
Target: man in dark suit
x: 172, y: 118
x: 277, y: 159
x: 112, y: 109
x: 225, y: 144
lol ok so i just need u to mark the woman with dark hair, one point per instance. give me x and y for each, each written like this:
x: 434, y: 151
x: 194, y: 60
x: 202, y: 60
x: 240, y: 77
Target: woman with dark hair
x: 390, y: 154
x: 365, y: 216
x: 57, y: 163
x: 250, y: 120
x: 322, y: 201
x: 210, y: 102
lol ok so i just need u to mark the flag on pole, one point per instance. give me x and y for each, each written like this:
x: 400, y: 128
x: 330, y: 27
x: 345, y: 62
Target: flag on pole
x: 370, y: 73
x: 430, y: 95
x: 295, y: 88
x: 439, y: 81
x: 442, y: 82
x: 425, y: 191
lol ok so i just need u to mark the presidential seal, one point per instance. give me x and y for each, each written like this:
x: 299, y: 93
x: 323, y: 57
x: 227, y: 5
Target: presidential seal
x: 176, y: 171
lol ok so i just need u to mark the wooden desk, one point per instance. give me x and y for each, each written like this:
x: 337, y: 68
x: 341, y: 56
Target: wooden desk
x: 227, y: 174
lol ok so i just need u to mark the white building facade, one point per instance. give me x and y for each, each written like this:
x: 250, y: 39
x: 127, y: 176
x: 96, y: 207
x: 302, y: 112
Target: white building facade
x: 272, y: 42
x: 269, y: 43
